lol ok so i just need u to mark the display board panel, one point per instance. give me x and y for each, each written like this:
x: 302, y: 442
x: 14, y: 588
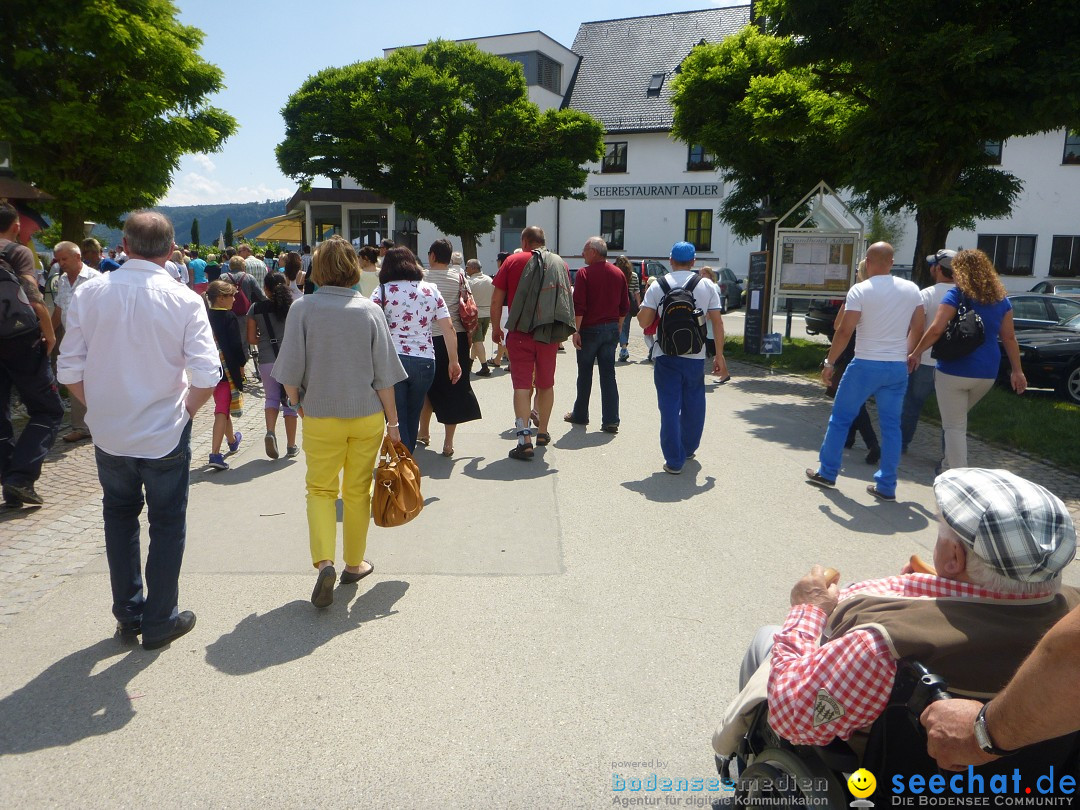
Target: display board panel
x: 810, y: 264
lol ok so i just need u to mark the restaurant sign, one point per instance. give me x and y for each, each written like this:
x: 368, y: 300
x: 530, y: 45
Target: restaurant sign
x: 654, y: 190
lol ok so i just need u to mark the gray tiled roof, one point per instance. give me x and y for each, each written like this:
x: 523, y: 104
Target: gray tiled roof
x: 620, y: 56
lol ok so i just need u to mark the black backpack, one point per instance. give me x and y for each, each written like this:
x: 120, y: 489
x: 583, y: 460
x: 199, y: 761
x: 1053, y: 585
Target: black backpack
x: 681, y: 329
x: 17, y: 317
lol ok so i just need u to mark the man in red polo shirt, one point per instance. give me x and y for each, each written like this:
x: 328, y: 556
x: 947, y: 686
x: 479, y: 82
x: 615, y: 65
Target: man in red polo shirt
x: 601, y: 301
x: 531, y: 362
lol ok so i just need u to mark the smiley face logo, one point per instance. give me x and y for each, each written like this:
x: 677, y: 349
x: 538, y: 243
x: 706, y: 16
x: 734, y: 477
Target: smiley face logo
x: 861, y: 783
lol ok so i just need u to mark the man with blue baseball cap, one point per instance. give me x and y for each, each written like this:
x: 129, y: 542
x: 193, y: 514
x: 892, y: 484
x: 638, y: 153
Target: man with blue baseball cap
x: 680, y: 378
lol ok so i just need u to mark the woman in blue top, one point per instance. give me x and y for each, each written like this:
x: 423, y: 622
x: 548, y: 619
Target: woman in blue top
x: 959, y: 384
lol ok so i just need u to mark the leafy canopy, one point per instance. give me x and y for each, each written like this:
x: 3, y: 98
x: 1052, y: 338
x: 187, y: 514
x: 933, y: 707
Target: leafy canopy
x: 101, y: 99
x: 448, y: 132
x: 917, y: 87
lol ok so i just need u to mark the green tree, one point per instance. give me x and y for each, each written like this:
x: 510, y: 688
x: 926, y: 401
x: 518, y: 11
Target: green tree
x: 447, y: 132
x: 228, y: 232
x: 100, y: 101
x: 922, y: 85
x: 195, y: 231
x: 771, y: 130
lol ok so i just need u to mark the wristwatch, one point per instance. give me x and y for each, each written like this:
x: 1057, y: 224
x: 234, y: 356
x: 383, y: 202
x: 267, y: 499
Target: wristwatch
x: 982, y: 736
x: 826, y: 364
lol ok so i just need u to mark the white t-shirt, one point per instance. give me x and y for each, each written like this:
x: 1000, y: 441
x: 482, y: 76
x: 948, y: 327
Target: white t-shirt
x: 886, y: 303
x: 932, y: 298
x: 706, y: 296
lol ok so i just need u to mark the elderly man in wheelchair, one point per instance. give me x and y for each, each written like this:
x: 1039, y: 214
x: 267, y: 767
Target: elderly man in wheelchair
x: 841, y: 684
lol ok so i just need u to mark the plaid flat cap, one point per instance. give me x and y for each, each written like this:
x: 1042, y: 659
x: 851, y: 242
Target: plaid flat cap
x: 1021, y: 529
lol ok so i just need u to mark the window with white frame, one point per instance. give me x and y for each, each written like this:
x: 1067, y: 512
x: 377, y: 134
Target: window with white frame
x: 699, y: 228
x: 1065, y: 256
x: 614, y: 158
x: 612, y: 225
x: 1012, y: 254
x: 697, y: 159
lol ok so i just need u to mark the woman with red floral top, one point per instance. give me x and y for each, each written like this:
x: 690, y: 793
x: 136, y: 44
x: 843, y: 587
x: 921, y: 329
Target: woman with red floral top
x: 412, y: 307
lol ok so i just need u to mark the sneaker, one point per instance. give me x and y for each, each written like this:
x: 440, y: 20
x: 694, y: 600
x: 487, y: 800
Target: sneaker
x: 624, y: 354
x: 814, y: 477
x: 877, y: 493
x: 672, y: 470
x: 218, y: 462
x: 483, y: 371
x: 234, y: 445
x: 19, y: 494
x: 292, y: 451
x: 270, y: 443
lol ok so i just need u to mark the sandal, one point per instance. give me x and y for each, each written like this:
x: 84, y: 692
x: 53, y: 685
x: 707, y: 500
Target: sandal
x: 424, y: 440
x: 447, y: 451
x: 522, y: 452
x: 543, y: 439
x: 569, y: 417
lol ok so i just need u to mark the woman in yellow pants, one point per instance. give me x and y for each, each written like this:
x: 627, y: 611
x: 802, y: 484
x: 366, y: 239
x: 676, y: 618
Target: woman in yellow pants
x: 338, y: 365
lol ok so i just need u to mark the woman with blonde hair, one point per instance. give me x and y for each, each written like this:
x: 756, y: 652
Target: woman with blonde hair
x: 633, y: 288
x: 338, y: 365
x: 961, y: 383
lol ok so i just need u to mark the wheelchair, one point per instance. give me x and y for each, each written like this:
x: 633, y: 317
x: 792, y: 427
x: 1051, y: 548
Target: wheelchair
x: 768, y: 771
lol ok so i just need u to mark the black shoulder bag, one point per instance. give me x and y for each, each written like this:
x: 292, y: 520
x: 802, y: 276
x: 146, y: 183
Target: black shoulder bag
x: 963, y: 335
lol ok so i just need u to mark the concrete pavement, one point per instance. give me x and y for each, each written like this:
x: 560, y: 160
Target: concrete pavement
x: 539, y: 628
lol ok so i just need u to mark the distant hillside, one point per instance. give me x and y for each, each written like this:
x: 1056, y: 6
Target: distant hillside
x: 211, y: 219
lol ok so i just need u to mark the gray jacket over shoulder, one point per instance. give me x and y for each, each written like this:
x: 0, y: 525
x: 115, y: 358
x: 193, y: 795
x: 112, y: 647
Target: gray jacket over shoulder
x: 338, y: 351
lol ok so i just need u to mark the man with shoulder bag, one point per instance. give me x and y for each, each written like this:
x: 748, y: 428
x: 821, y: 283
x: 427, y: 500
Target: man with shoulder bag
x: 26, y: 341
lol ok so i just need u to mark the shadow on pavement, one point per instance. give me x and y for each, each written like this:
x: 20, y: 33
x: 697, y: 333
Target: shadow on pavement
x: 240, y: 473
x: 65, y: 703
x: 793, y: 425
x: 662, y: 487
x: 579, y: 439
x: 509, y: 469
x: 901, y: 516
x: 297, y: 629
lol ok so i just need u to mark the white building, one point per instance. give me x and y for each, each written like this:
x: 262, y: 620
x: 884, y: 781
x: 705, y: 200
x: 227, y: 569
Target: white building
x: 650, y: 190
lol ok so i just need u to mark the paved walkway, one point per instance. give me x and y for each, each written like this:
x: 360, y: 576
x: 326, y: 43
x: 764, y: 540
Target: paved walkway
x: 539, y: 628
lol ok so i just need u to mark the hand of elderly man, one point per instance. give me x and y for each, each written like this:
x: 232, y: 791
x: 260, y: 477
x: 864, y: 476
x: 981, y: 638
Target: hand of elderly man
x: 817, y: 588
x: 950, y: 734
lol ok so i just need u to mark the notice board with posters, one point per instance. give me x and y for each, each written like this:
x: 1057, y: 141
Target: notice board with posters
x: 813, y: 263
x: 758, y: 294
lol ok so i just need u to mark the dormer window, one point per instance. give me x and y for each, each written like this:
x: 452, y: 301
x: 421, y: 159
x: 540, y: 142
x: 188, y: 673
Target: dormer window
x: 655, y: 83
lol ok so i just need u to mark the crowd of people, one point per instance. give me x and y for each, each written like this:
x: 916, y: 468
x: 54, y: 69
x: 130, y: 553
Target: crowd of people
x: 369, y: 344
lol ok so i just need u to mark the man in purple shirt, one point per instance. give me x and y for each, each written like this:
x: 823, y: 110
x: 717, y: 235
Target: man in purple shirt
x: 601, y: 301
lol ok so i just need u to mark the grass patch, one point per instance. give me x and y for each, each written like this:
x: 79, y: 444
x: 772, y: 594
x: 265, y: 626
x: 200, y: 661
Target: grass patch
x: 1039, y: 423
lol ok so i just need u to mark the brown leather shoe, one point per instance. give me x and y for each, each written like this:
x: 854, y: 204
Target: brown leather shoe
x: 77, y: 435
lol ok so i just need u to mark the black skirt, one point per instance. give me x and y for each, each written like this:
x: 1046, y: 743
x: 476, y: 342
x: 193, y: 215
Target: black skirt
x: 453, y: 403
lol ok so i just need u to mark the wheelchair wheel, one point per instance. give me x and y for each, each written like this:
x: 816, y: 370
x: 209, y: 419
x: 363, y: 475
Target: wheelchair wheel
x: 782, y: 778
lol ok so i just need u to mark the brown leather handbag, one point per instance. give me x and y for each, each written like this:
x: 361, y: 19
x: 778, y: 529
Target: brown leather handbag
x: 397, y: 498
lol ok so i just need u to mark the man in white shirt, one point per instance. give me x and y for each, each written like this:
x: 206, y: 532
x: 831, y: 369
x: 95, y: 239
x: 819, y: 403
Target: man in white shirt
x: 72, y: 274
x: 140, y: 407
x: 680, y: 380
x: 889, y: 315
x: 921, y: 382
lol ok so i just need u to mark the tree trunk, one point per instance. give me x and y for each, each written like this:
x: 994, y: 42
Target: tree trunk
x: 931, y: 232
x: 72, y: 219
x: 468, y: 245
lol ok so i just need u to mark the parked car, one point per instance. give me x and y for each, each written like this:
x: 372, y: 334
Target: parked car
x: 1071, y: 288
x: 1051, y: 358
x: 820, y: 316
x: 731, y: 289
x: 1038, y: 311
x: 649, y: 268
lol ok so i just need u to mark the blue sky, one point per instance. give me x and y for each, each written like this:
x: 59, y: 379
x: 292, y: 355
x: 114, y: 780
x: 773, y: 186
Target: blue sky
x: 267, y: 48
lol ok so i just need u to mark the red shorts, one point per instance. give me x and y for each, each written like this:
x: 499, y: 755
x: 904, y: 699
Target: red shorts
x: 531, y: 363
x: 222, y: 397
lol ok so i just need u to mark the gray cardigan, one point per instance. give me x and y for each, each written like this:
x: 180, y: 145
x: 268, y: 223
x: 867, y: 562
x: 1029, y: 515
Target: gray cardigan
x: 337, y: 349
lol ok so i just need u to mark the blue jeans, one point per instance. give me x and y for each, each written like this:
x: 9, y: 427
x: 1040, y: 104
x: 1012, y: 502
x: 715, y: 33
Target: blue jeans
x: 886, y: 382
x: 24, y: 366
x: 624, y: 333
x: 165, y: 481
x: 410, y: 393
x: 680, y: 396
x: 598, y: 345
x: 920, y: 386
